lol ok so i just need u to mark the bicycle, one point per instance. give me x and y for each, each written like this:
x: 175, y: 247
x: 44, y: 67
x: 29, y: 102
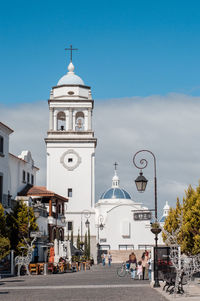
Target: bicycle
x: 122, y: 270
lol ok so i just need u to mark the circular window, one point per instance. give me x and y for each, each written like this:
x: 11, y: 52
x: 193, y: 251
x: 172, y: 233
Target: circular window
x: 71, y: 93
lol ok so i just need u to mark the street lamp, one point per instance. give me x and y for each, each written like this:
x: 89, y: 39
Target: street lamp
x: 141, y: 183
x: 100, y: 225
x: 86, y: 214
x: 87, y: 223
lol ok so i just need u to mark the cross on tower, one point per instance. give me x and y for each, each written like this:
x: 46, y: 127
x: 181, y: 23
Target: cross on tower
x: 115, y: 164
x: 71, y: 49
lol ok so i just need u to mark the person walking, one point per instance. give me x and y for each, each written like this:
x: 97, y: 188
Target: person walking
x: 109, y: 259
x: 139, y: 269
x: 144, y: 259
x: 133, y: 264
x: 103, y: 257
x: 149, y: 266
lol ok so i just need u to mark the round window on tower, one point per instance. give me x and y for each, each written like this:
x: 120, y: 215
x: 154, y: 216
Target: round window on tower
x: 70, y: 159
x: 71, y: 93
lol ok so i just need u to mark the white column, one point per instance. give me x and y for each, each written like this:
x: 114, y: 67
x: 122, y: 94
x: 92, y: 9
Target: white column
x: 55, y: 121
x: 73, y: 120
x: 93, y: 180
x: 70, y: 125
x: 51, y: 119
x: 89, y: 119
x: 66, y: 120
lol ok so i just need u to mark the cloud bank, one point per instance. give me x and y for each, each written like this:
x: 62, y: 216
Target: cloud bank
x: 166, y: 125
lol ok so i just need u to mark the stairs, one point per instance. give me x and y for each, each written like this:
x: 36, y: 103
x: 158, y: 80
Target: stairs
x: 119, y: 256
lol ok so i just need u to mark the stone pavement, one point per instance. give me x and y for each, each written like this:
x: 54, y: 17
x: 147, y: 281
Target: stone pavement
x: 99, y: 283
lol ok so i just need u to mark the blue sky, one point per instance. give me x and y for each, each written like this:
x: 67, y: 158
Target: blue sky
x: 126, y: 48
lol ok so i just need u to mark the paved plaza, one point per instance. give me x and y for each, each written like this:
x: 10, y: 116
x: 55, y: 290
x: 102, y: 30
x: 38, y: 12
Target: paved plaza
x: 99, y: 283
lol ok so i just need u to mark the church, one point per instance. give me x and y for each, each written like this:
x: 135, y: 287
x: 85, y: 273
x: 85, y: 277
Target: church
x: 116, y: 222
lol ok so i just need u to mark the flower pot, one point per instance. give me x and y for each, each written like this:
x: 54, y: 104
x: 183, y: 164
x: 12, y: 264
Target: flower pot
x: 155, y: 230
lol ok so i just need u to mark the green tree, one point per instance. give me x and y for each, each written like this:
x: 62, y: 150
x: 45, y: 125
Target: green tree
x: 20, y: 223
x: 3, y: 227
x: 86, y: 246
x: 173, y: 219
x: 78, y: 240
x: 4, y: 241
x: 189, y: 235
x: 72, y: 237
x: 4, y: 247
x: 88, y: 243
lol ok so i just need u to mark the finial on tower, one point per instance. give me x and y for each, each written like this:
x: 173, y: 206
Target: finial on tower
x: 115, y: 179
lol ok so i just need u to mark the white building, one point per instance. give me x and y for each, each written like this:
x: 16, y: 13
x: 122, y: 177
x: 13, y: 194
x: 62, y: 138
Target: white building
x: 125, y: 223
x: 15, y: 172
x: 5, y: 131
x: 71, y: 147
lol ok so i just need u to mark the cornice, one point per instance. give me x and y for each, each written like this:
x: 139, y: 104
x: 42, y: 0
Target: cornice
x: 81, y: 86
x: 71, y: 140
x: 62, y: 133
x: 72, y: 100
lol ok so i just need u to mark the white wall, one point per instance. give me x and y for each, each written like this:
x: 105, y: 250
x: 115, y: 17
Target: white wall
x: 4, y: 160
x: 114, y: 220
x: 16, y: 167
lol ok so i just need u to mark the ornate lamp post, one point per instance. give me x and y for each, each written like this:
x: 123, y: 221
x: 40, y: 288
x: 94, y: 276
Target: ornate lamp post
x: 141, y: 183
x: 100, y: 225
x: 86, y: 214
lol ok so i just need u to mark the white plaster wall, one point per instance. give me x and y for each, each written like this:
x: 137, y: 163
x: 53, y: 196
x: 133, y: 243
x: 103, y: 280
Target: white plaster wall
x: 4, y: 170
x: 59, y: 179
x: 16, y: 167
x: 140, y: 233
x: 79, y: 92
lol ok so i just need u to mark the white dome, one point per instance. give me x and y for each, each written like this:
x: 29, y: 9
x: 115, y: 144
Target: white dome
x: 70, y: 78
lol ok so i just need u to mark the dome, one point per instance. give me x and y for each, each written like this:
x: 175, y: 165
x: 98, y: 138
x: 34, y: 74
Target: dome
x: 163, y: 218
x: 70, y: 78
x: 115, y: 193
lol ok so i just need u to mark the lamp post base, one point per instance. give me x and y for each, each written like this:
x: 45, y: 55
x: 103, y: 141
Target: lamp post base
x: 156, y: 283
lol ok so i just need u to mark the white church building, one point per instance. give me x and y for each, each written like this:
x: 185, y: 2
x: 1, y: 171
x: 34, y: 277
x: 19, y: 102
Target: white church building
x: 70, y: 145
x: 123, y: 224
x: 116, y: 221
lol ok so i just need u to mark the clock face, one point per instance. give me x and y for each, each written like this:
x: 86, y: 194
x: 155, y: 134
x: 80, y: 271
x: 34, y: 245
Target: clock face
x: 70, y: 159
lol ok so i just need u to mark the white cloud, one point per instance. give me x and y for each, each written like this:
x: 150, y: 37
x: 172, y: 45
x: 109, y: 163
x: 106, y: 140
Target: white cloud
x: 166, y: 125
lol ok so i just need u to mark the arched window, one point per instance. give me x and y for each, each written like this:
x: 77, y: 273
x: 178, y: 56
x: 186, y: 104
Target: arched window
x: 61, y: 121
x: 80, y: 120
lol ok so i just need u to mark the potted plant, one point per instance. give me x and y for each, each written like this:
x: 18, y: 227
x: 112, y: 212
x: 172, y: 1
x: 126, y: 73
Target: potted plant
x: 155, y: 228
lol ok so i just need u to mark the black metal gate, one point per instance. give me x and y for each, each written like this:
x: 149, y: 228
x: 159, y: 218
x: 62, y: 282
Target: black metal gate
x: 164, y: 263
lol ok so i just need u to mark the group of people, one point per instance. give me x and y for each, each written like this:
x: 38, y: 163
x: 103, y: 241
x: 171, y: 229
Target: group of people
x: 109, y: 258
x: 141, y: 268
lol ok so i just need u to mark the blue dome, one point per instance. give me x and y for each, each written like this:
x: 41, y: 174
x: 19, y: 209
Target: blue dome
x: 163, y: 218
x: 115, y: 193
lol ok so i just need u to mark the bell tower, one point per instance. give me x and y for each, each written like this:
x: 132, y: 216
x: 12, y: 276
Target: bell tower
x: 70, y: 145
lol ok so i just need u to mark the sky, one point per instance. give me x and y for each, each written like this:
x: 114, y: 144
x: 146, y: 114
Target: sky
x: 141, y: 59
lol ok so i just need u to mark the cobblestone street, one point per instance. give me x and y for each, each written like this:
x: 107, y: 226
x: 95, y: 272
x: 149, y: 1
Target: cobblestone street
x: 99, y: 283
